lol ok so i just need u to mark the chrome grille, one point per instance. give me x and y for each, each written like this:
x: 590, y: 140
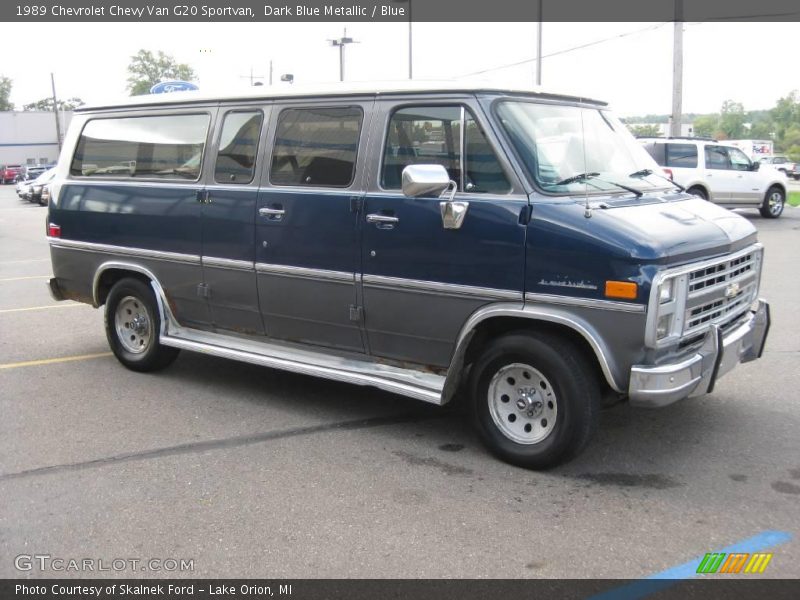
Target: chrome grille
x: 721, y: 292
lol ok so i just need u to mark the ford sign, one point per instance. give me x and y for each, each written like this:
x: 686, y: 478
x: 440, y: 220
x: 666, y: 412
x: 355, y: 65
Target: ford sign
x: 164, y: 87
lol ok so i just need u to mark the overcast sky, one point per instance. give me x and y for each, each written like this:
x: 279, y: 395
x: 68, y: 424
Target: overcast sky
x: 753, y: 63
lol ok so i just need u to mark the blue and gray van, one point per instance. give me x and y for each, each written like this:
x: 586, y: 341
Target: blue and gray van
x: 515, y: 249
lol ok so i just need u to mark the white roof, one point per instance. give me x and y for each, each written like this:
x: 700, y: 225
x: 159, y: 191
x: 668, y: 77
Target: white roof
x: 368, y: 88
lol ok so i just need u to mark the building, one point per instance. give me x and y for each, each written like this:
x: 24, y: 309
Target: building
x: 29, y: 137
x: 687, y: 129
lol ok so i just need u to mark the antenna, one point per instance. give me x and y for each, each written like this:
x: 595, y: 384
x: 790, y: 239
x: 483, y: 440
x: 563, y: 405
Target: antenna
x: 587, y: 209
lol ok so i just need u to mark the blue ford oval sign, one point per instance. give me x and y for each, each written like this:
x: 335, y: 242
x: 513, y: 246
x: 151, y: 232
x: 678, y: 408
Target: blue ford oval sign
x: 164, y: 87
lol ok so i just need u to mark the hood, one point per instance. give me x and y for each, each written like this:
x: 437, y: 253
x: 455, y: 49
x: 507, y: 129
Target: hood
x: 664, y: 231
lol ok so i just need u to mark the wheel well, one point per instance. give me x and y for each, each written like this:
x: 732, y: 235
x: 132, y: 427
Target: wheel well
x: 700, y: 186
x: 110, y: 277
x: 495, y: 327
x: 779, y: 186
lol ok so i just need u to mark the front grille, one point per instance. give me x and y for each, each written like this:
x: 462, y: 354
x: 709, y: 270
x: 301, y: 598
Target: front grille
x: 721, y: 292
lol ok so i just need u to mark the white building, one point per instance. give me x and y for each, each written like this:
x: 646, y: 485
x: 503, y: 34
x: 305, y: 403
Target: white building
x: 687, y: 130
x: 29, y: 137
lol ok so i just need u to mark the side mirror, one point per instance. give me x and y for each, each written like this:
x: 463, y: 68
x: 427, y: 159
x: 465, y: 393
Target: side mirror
x: 425, y: 180
x: 755, y: 166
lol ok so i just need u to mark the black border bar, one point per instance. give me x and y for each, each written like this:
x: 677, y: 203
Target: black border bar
x: 442, y: 11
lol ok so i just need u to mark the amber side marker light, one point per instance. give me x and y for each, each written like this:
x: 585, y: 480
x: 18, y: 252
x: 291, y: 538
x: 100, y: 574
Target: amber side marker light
x: 621, y: 289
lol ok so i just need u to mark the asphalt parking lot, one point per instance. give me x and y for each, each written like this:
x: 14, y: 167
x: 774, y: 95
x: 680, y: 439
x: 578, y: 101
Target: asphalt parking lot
x: 255, y: 472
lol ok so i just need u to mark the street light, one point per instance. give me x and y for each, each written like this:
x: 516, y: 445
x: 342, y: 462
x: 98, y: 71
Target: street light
x: 341, y: 43
x: 410, y: 37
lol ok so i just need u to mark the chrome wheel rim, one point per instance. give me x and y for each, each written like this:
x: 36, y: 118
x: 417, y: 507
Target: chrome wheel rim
x: 132, y: 322
x: 522, y: 403
x: 775, y: 203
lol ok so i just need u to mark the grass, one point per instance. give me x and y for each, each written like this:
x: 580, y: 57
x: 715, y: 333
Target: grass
x: 794, y: 198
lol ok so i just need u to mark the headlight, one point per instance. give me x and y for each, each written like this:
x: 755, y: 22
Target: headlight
x: 663, y: 327
x: 665, y: 291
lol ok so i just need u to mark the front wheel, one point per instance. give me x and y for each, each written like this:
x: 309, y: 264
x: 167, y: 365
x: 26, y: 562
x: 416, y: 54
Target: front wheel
x: 133, y: 327
x: 535, y: 399
x: 773, y: 204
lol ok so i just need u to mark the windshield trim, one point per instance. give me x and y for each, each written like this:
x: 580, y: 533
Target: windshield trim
x: 531, y: 178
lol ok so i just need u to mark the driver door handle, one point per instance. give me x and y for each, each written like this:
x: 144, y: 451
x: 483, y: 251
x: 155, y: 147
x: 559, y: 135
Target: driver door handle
x: 270, y: 212
x: 378, y: 218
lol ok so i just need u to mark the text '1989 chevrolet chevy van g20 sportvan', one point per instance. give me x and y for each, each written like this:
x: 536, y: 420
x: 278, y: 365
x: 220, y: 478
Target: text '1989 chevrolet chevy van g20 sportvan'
x: 516, y: 248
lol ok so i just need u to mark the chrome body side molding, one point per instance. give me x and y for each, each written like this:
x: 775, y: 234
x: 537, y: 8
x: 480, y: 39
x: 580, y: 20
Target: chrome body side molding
x: 588, y: 302
x: 124, y: 250
x: 435, y: 287
x: 227, y: 263
x: 304, y: 272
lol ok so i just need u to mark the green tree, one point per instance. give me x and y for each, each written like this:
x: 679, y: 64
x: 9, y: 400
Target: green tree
x: 731, y: 120
x: 5, y: 93
x: 706, y: 126
x: 645, y: 130
x: 47, y: 104
x: 147, y: 69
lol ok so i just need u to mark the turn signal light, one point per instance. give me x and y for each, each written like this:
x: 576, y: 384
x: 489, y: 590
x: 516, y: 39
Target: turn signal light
x: 621, y: 289
x: 53, y: 230
x: 668, y: 173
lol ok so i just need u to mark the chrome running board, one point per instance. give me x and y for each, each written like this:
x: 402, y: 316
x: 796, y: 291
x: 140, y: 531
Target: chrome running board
x: 421, y: 385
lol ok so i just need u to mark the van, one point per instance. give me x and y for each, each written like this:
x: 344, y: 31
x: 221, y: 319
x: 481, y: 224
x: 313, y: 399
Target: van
x: 517, y: 250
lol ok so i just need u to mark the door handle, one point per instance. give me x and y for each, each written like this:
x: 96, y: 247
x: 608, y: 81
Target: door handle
x: 382, y: 219
x: 277, y: 213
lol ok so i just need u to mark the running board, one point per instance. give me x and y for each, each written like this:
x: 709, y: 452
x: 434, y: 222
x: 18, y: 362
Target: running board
x: 418, y: 384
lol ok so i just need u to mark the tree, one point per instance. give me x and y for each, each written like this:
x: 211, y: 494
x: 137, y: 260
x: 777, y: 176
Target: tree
x: 147, y: 69
x: 5, y: 93
x: 705, y: 126
x: 731, y: 120
x: 47, y: 104
x: 645, y: 130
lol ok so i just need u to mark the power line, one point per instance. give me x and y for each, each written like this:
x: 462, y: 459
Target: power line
x: 565, y: 51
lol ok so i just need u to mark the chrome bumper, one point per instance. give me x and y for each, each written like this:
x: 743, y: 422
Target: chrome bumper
x: 657, y: 386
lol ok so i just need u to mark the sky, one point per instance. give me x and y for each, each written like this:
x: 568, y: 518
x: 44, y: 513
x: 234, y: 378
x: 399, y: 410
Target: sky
x: 752, y: 63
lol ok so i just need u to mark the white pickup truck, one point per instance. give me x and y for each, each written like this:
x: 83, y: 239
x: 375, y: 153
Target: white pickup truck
x: 783, y: 164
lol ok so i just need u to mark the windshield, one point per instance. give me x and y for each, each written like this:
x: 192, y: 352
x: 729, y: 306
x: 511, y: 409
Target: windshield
x: 570, y: 150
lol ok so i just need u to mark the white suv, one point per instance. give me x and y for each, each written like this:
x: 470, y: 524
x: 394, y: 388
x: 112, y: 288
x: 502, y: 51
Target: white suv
x: 719, y: 173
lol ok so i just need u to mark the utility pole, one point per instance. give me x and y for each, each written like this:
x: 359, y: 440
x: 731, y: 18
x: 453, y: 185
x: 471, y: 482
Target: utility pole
x: 55, y: 112
x: 252, y: 77
x: 341, y: 43
x: 270, y: 72
x: 539, y: 48
x: 677, y: 72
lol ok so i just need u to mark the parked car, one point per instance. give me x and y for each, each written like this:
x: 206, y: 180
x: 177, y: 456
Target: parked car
x: 783, y: 164
x: 533, y: 262
x: 719, y: 173
x: 31, y: 172
x: 9, y: 173
x: 36, y: 186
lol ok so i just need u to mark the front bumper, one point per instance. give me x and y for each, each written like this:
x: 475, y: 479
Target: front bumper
x: 660, y: 385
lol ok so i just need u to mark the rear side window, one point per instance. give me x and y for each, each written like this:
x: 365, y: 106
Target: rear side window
x: 656, y: 151
x: 238, y: 147
x: 681, y: 156
x: 164, y: 147
x: 316, y: 146
x: 717, y: 158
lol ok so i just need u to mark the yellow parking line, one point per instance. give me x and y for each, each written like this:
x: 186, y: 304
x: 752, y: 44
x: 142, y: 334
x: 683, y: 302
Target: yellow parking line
x: 70, y: 305
x: 50, y: 361
x: 29, y: 277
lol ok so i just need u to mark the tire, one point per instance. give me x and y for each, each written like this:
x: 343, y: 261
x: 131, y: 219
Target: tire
x: 546, y: 423
x: 773, y: 204
x: 698, y: 191
x: 133, y: 327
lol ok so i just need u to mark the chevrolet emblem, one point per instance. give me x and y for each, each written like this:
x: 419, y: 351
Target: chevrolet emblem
x: 732, y: 290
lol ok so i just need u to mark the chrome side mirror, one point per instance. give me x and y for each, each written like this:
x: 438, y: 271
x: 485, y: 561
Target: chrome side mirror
x: 425, y: 180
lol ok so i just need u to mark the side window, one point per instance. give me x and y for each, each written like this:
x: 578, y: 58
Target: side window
x: 739, y: 160
x: 717, y: 158
x: 238, y: 147
x: 656, y: 151
x: 422, y: 135
x: 432, y: 135
x: 316, y: 146
x: 682, y: 155
x: 164, y: 146
x: 483, y: 170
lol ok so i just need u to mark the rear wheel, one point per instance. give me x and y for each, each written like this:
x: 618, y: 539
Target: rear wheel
x: 535, y: 399
x: 698, y: 191
x: 773, y: 204
x: 133, y: 326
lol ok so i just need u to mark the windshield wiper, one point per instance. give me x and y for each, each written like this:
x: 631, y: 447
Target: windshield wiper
x: 577, y: 178
x: 647, y: 172
x: 587, y: 176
